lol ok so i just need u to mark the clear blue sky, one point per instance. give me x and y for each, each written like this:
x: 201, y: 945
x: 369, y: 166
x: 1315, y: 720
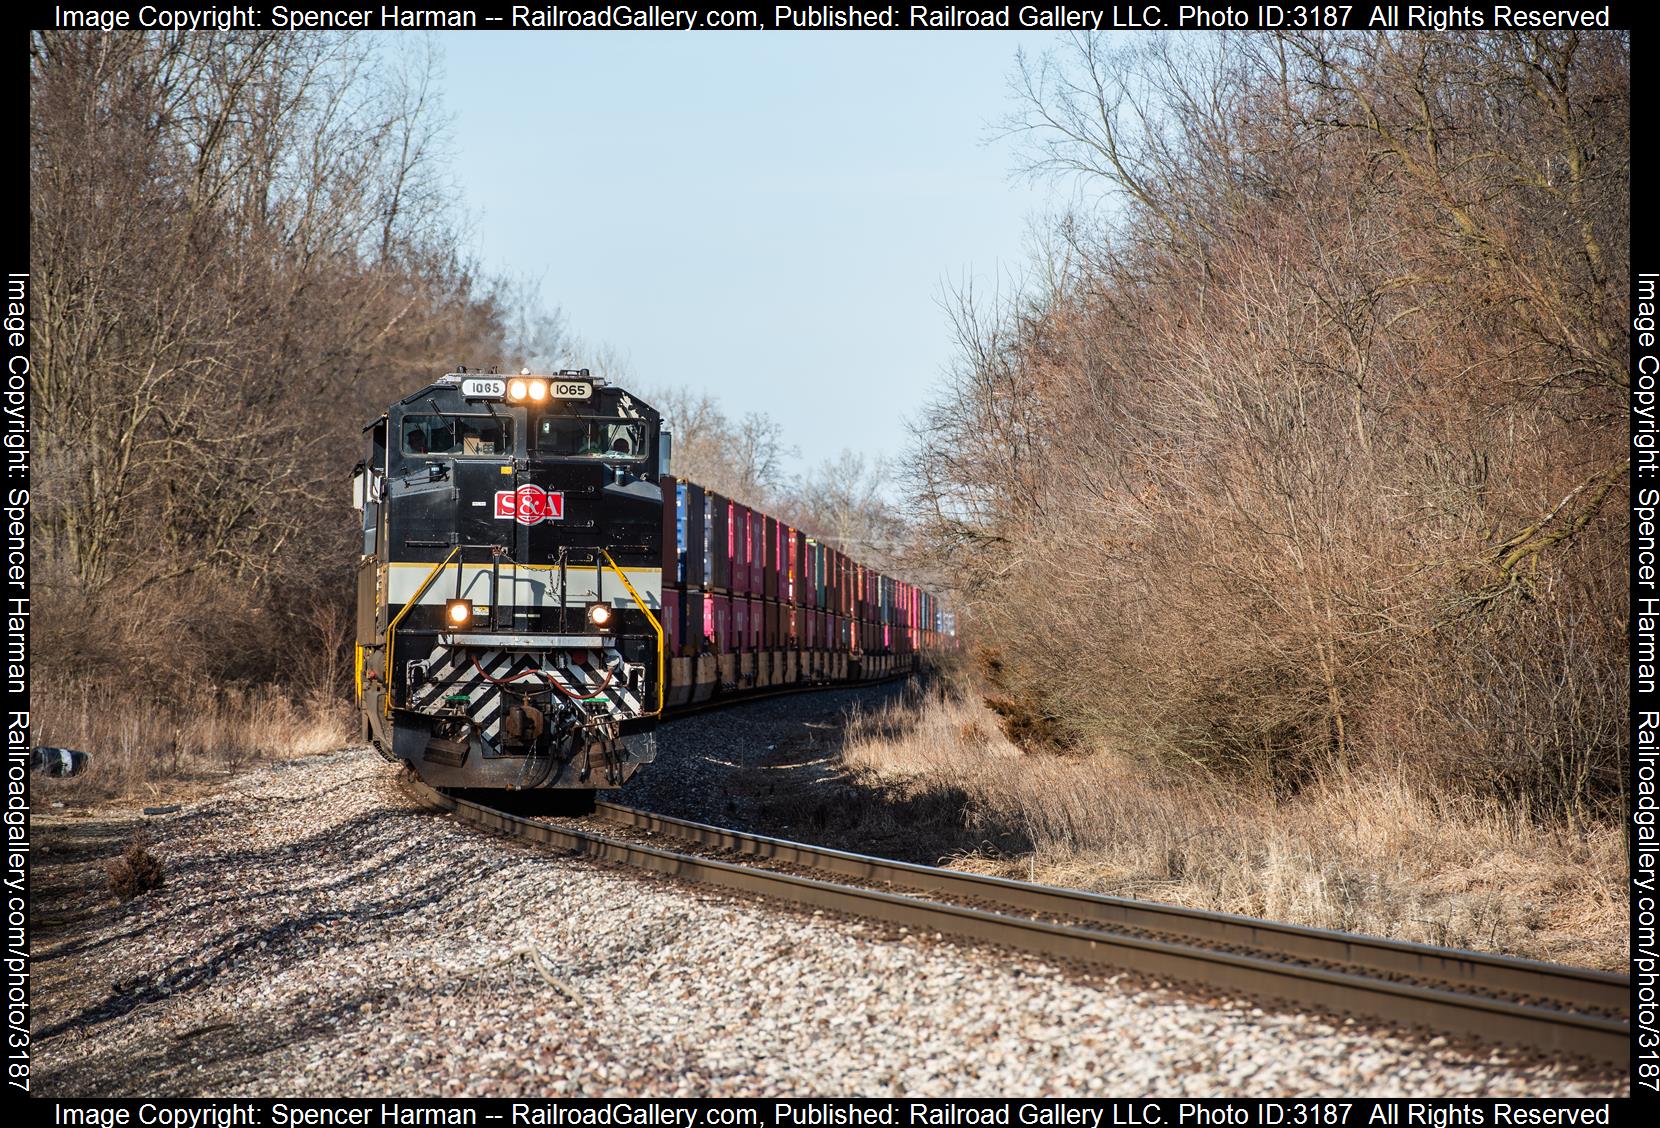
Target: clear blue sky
x: 771, y: 217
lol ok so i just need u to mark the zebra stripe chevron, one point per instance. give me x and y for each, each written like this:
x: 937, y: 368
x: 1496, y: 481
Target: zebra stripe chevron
x: 450, y: 675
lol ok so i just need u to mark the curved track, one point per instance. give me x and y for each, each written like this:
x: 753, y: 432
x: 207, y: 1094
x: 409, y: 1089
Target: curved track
x: 1547, y: 1007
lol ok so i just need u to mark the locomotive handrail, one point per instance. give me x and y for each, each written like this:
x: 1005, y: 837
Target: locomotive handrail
x: 392, y: 627
x: 650, y: 618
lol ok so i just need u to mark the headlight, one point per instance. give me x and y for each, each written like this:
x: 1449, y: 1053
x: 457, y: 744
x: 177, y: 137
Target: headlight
x: 600, y: 614
x: 538, y: 391
x: 458, y: 612
x: 516, y: 389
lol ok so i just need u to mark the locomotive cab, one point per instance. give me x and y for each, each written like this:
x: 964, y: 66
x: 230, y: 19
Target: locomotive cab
x: 510, y: 584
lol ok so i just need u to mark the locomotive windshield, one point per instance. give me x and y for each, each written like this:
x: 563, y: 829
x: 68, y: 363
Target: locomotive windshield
x: 613, y: 440
x: 456, y: 435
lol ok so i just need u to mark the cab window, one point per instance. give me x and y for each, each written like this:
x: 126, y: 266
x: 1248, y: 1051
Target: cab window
x: 457, y: 436
x: 607, y: 440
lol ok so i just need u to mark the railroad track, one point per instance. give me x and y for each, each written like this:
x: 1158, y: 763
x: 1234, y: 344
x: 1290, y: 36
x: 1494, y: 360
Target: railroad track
x: 1547, y: 1007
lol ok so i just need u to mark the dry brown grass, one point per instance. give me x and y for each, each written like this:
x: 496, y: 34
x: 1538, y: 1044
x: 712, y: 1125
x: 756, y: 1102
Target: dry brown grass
x: 141, y: 747
x: 1369, y: 853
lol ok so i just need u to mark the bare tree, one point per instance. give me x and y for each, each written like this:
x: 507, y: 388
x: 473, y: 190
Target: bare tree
x: 742, y: 459
x: 241, y: 246
x: 1300, y: 448
x: 847, y: 501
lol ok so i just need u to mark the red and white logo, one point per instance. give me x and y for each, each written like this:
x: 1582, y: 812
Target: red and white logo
x: 530, y: 505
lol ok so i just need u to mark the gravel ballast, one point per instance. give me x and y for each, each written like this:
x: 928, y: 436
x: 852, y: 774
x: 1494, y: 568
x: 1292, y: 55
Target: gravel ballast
x: 319, y: 933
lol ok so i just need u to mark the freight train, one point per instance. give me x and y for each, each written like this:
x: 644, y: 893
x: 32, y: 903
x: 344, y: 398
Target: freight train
x: 535, y: 590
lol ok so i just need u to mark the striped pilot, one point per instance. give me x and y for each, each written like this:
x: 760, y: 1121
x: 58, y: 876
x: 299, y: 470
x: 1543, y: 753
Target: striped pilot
x: 510, y: 582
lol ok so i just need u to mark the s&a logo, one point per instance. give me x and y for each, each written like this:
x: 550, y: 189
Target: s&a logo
x: 530, y: 505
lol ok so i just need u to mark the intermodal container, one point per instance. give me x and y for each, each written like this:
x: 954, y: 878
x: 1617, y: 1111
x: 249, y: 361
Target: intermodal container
x: 723, y: 623
x: 670, y: 618
x: 694, y: 574
x: 720, y: 548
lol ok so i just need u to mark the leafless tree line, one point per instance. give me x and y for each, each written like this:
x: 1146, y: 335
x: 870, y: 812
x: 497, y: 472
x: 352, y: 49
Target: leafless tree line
x: 848, y: 501
x: 1301, y: 451
x: 242, y: 246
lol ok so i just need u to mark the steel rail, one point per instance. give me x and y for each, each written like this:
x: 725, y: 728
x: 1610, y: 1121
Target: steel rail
x: 1543, y: 1028
x: 1476, y: 971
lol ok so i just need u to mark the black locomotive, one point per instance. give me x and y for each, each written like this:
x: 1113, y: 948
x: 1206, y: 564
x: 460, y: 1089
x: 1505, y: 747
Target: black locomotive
x: 535, y: 590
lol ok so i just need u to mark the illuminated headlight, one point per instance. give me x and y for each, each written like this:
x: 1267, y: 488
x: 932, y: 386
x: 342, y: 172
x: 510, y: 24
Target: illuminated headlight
x: 538, y: 391
x: 516, y: 389
x: 458, y: 612
x: 600, y: 614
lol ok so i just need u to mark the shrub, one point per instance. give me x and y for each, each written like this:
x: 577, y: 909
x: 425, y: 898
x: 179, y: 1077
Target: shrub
x: 136, y: 871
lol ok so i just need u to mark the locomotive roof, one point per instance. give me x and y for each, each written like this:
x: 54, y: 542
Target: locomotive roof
x: 451, y: 381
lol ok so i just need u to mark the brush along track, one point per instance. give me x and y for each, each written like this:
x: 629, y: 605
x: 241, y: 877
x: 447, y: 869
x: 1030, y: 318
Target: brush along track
x: 1559, y: 1010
